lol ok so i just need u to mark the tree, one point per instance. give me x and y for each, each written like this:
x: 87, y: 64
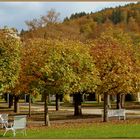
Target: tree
x: 9, y: 58
x: 123, y: 16
x: 137, y: 16
x: 66, y: 19
x: 89, y: 29
x: 32, y: 59
x: 59, y: 67
x: 52, y: 17
x: 34, y: 56
x: 116, y: 16
x: 70, y: 71
x: 136, y: 46
x: 99, y: 18
x: 77, y: 15
x: 114, y: 60
x: 33, y: 24
x: 133, y: 25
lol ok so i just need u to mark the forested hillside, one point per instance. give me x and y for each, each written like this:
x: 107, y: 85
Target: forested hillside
x: 84, y: 26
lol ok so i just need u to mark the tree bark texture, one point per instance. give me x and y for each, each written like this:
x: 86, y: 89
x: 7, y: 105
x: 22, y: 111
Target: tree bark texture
x: 57, y: 105
x: 46, y: 114
x: 99, y: 99
x: 105, y: 117
x: 10, y: 100
x: 29, y: 105
x: 122, y: 100
x: 77, y: 97
x: 16, y: 104
x: 118, y: 101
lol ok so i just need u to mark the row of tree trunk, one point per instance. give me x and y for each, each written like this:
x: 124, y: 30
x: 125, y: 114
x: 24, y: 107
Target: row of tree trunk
x: 77, y: 98
x: 15, y: 102
x: 120, y: 101
x: 119, y: 104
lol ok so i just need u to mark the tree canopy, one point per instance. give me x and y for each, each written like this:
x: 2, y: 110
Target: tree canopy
x: 68, y: 69
x: 10, y: 46
x: 115, y: 61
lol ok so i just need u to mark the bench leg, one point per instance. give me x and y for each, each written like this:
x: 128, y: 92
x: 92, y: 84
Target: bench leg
x: 119, y: 117
x: 25, y: 132
x: 124, y: 117
x: 14, y: 132
x: 5, y: 132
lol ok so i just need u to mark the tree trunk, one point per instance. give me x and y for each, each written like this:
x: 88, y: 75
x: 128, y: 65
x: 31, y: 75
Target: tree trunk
x: 16, y: 104
x: 105, y: 117
x: 49, y: 98
x: 46, y: 114
x: 29, y: 105
x: 42, y: 98
x: 10, y: 100
x: 109, y: 102
x: 77, y: 97
x: 99, y: 98
x: 119, y: 101
x: 122, y: 100
x: 57, y: 105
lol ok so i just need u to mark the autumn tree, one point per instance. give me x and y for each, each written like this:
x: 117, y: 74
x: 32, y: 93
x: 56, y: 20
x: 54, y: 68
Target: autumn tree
x: 59, y: 67
x: 9, y: 58
x: 89, y: 29
x: 124, y: 16
x: 133, y: 25
x: 70, y: 71
x: 33, y: 24
x: 52, y: 17
x: 33, y: 57
x: 116, y: 67
x: 136, y: 46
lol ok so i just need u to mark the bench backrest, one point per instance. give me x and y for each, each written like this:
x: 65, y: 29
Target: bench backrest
x: 3, y: 118
x: 116, y: 112
x: 20, y: 122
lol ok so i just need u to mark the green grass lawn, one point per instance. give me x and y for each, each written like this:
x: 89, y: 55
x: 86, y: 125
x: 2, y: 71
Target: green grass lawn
x: 94, y: 130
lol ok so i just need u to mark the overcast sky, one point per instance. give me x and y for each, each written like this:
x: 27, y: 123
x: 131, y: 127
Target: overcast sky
x: 14, y: 14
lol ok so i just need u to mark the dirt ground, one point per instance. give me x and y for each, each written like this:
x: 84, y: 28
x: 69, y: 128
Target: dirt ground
x: 65, y: 116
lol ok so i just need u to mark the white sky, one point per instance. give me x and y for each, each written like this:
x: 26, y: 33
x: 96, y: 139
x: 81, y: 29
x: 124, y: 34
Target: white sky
x: 14, y: 14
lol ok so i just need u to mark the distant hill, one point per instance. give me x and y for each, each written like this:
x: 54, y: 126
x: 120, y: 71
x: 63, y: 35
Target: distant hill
x: 84, y: 26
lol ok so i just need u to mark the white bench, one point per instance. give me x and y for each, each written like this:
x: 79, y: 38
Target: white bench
x: 116, y: 113
x: 19, y: 124
x: 4, y: 119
